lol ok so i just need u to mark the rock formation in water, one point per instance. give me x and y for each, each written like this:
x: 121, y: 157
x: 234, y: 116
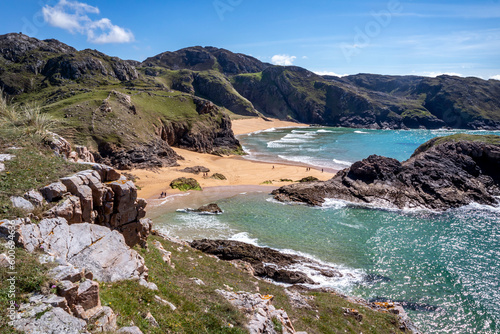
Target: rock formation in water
x: 441, y: 174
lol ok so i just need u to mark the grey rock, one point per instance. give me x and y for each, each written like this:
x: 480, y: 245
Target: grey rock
x: 149, y: 285
x: 129, y: 330
x: 21, y: 203
x: 152, y: 321
x: 34, y: 197
x: 4, y: 157
x: 5, y: 261
x: 260, y: 312
x: 70, y: 273
x: 95, y: 248
x: 69, y: 209
x: 53, y: 191
x: 165, y: 302
x: 104, y: 320
x: 54, y: 321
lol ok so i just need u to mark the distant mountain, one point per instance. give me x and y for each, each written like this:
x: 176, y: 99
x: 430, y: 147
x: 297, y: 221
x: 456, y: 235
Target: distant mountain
x: 199, y: 58
x: 168, y: 90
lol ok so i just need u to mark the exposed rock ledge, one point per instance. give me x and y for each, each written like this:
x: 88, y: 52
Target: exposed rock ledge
x: 443, y: 173
x: 266, y: 262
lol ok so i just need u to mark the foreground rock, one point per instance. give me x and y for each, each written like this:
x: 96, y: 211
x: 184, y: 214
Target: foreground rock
x: 266, y: 262
x: 92, y: 247
x: 441, y: 174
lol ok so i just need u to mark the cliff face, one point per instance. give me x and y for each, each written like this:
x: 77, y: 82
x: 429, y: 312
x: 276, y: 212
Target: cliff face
x: 211, y: 136
x: 444, y: 173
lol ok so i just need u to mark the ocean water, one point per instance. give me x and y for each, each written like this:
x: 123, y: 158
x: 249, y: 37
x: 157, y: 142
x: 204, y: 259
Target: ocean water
x: 444, y: 267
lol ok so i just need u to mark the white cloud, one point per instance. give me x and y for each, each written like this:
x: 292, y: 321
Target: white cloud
x: 330, y: 73
x: 305, y: 57
x: 284, y: 60
x: 72, y: 16
x: 495, y: 77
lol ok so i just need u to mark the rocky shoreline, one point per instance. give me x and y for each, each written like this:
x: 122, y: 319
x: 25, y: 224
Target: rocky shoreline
x: 443, y: 173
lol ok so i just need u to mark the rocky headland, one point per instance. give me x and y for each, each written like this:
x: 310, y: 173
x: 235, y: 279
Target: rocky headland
x: 443, y: 173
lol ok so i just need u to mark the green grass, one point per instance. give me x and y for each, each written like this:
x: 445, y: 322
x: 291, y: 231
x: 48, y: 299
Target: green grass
x: 33, y: 166
x: 201, y: 310
x: 31, y: 277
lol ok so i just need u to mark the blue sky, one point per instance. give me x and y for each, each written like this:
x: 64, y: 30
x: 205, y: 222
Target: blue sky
x: 342, y: 37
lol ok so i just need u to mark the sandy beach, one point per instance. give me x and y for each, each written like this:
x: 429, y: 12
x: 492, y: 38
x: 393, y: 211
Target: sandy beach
x: 238, y: 170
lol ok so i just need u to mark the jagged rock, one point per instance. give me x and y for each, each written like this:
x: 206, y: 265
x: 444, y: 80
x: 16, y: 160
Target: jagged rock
x: 197, y: 281
x: 443, y: 173
x: 260, y: 312
x: 265, y: 262
x: 165, y: 302
x: 87, y: 302
x: 53, y: 321
x: 185, y: 184
x: 93, y: 247
x: 129, y: 330
x: 152, y: 321
x: 211, y: 208
x: 21, y: 203
x: 70, y: 273
x: 218, y: 176
x: 298, y: 300
x: 54, y: 191
x: 154, y: 154
x: 149, y: 285
x: 34, y: 197
x: 166, y: 255
x: 58, y: 144
x: 69, y: 209
x: 195, y: 170
x: 136, y: 233
x: 104, y: 320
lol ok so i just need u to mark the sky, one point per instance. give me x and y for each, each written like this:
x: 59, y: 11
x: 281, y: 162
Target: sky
x: 397, y: 37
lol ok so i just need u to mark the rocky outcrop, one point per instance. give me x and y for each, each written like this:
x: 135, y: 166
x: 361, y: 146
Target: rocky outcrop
x: 103, y: 197
x: 95, y: 248
x: 212, y: 134
x: 266, y: 262
x: 444, y: 173
x: 211, y: 208
x: 153, y: 155
x: 261, y: 314
x: 63, y: 148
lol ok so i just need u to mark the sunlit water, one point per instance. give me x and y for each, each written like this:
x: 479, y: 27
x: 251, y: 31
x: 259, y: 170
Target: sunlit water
x: 444, y: 266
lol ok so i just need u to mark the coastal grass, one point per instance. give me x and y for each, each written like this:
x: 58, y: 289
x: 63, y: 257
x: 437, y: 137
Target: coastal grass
x: 30, y: 277
x: 200, y: 309
x: 487, y: 139
x: 32, y: 167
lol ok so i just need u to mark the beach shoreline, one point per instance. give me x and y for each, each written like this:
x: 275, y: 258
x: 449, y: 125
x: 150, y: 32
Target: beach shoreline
x: 238, y: 170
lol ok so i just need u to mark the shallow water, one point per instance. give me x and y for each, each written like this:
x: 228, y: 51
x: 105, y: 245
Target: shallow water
x: 444, y: 266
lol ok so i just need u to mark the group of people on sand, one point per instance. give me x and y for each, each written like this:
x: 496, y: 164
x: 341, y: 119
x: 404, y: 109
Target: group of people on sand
x: 163, y: 194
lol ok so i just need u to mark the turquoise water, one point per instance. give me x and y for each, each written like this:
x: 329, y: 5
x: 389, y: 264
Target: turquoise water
x: 444, y: 266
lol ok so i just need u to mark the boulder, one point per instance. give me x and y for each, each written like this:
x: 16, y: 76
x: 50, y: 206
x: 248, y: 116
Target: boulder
x: 95, y: 248
x: 211, y: 208
x: 21, y: 203
x: 69, y: 209
x: 185, y: 184
x: 54, y: 191
x: 218, y: 176
x: 34, y: 197
x: 136, y: 233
